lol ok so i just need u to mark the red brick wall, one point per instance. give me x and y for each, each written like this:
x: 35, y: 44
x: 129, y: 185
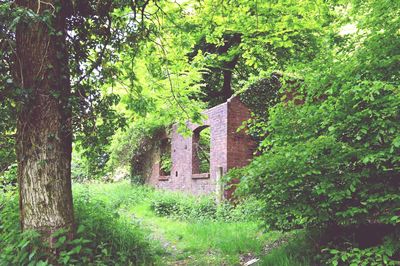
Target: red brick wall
x: 240, y: 145
x: 217, y: 119
x: 227, y: 149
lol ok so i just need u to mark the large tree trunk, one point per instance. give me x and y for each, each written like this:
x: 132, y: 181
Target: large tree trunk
x: 44, y: 140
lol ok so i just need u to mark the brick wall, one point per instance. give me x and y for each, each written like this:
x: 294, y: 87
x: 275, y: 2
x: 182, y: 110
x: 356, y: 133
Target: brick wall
x: 240, y: 146
x: 227, y: 149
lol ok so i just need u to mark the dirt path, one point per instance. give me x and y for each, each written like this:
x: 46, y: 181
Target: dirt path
x: 182, y: 245
x: 171, y: 252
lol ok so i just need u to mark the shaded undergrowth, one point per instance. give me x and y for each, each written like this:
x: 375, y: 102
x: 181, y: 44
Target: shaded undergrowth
x: 103, y: 237
x: 120, y: 224
x: 191, y: 230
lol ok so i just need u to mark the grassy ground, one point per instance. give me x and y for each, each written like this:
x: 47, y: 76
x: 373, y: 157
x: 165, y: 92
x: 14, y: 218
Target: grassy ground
x: 193, y: 242
x: 205, y: 242
x: 183, y: 242
x: 118, y: 225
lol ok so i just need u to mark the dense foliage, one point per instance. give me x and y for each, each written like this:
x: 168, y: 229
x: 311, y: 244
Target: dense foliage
x: 327, y: 117
x: 103, y: 237
x: 334, y: 159
x: 344, y: 172
x: 260, y: 96
x: 7, y: 121
x: 321, y: 78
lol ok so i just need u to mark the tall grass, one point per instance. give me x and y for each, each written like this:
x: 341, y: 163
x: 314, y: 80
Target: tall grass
x: 193, y: 230
x: 118, y: 225
x: 207, y: 242
x: 104, y: 236
x: 118, y: 240
x: 299, y: 250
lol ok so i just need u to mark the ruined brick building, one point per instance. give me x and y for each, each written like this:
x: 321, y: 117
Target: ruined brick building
x: 228, y: 148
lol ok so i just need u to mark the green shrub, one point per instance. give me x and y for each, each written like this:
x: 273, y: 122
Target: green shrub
x: 337, y: 165
x: 187, y: 207
x: 183, y: 206
x: 345, y: 172
x: 384, y: 254
x: 165, y: 205
x: 114, y: 240
x: 333, y: 159
x: 14, y: 245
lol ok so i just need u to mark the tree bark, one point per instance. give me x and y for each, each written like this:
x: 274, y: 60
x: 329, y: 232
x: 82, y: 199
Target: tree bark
x: 227, y: 71
x: 44, y: 131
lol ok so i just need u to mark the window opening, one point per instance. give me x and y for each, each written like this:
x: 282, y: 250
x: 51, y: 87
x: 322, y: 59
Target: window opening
x: 201, y: 150
x: 165, y: 157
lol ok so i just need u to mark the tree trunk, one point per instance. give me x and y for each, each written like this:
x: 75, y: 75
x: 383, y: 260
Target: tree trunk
x: 44, y: 135
x: 227, y: 91
x: 228, y: 68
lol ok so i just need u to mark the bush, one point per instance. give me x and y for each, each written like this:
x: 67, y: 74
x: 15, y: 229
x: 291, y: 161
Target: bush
x: 336, y: 166
x: 333, y: 159
x: 185, y: 207
x: 384, y: 254
x: 341, y: 173
x: 114, y: 240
